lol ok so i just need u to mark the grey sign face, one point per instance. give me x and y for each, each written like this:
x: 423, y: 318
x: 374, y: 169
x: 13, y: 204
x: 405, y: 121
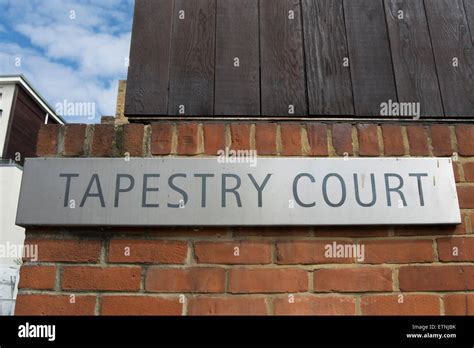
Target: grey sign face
x: 204, y: 192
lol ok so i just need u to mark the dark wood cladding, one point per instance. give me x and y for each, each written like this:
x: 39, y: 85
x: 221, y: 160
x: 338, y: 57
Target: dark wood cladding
x: 454, y: 53
x: 237, y: 58
x: 23, y: 127
x: 282, y: 60
x: 192, y: 58
x: 413, y: 61
x: 327, y: 64
x: 148, y: 75
x: 322, y: 58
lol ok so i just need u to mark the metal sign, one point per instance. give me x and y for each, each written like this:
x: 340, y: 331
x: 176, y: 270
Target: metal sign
x: 208, y: 192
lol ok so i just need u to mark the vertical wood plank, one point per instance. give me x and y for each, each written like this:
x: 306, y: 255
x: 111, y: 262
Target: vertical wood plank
x: 469, y: 6
x: 237, y: 87
x: 412, y: 54
x: 452, y: 43
x: 282, y: 60
x: 329, y: 81
x: 373, y: 81
x: 148, y: 73
x: 192, y: 58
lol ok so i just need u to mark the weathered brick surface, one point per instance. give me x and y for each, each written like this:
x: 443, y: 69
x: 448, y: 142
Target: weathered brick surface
x: 187, y: 139
x: 418, y: 140
x: 291, y: 139
x: 161, y: 137
x: 243, y: 280
x: 400, y: 304
x: 368, y: 140
x: 266, y: 141
x: 280, y: 270
x: 214, y: 138
x: 103, y: 141
x: 101, y: 278
x: 200, y: 280
x: 36, y: 304
x: 74, y: 140
x: 317, y: 138
x: 342, y: 139
x: 233, y: 252
x: 392, y: 136
x: 227, y: 306
x: 355, y: 279
x: 140, y: 305
x: 315, y: 305
x: 147, y: 251
x: 47, y: 144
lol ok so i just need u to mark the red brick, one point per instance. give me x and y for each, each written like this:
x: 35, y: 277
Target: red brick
x: 352, y: 231
x: 466, y: 197
x: 291, y: 139
x: 161, y: 137
x: 436, y: 278
x: 75, y: 135
x: 368, y: 140
x: 226, y: 306
x: 240, y: 136
x: 214, y: 138
x: 103, y: 140
x: 459, y: 304
x: 393, y: 140
x: 441, y: 140
x: 465, y: 139
x: 34, y: 305
x: 318, y: 139
x: 307, y: 252
x: 101, y: 278
x: 133, y: 139
x: 65, y: 250
x: 140, y: 305
x: 357, y: 279
x: 187, y: 138
x: 464, y: 245
x: 342, y: 138
x: 468, y: 171
x: 424, y: 230
x: 398, y: 251
x: 224, y: 252
x: 411, y: 305
x: 147, y: 251
x: 47, y: 144
x: 188, y: 232
x: 271, y: 231
x: 315, y: 305
x: 205, y: 280
x: 267, y: 280
x: 265, y: 138
x: 37, y: 277
x: 457, y: 173
x: 418, y: 140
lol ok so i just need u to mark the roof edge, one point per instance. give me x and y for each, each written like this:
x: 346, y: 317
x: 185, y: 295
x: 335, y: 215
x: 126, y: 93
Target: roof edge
x: 23, y: 81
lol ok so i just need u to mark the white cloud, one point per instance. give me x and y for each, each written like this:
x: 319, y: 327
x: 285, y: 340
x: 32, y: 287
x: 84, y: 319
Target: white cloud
x: 78, y: 60
x: 59, y: 82
x: 95, y: 54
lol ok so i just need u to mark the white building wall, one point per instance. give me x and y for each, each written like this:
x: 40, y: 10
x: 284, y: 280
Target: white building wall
x: 7, y: 91
x: 12, y: 237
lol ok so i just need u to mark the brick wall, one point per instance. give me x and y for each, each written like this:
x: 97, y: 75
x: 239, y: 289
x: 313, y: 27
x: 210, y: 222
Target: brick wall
x: 190, y: 271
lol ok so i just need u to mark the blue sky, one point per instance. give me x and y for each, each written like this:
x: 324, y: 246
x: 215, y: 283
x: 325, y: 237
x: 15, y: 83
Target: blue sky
x: 72, y: 51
